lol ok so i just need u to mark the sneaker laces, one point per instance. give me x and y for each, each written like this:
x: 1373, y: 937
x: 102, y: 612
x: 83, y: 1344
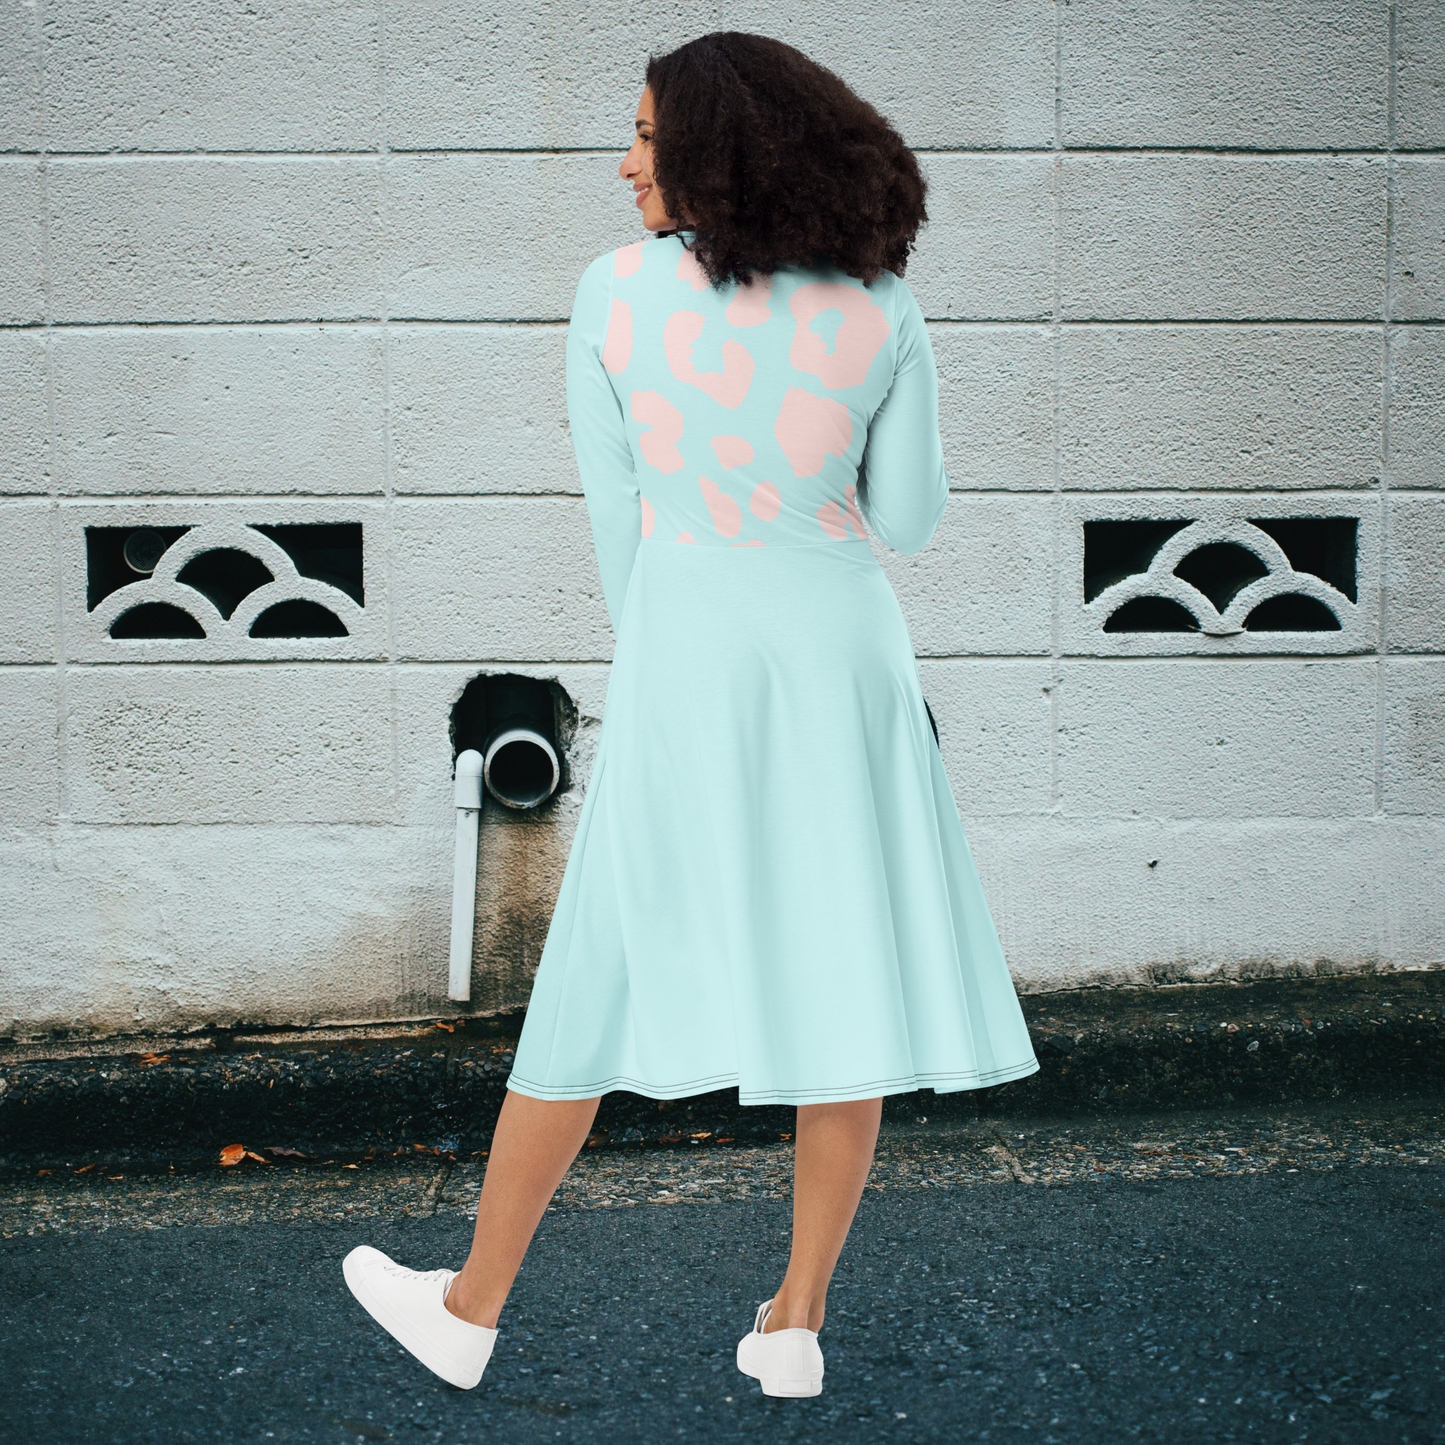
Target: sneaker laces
x: 431, y: 1276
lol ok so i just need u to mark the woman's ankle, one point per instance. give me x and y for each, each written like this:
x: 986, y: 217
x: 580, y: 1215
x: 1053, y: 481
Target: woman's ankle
x: 793, y: 1312
x: 470, y: 1305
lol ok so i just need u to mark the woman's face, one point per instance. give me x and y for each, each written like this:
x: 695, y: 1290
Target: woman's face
x: 636, y: 167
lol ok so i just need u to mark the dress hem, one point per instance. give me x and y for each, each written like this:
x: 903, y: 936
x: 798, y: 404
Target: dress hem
x: 940, y: 1084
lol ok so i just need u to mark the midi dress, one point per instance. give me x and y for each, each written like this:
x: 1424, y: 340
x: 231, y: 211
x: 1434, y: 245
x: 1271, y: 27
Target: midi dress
x: 769, y: 886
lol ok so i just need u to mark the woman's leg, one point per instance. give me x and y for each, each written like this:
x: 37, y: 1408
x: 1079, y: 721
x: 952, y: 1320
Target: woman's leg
x: 834, y: 1153
x: 534, y: 1143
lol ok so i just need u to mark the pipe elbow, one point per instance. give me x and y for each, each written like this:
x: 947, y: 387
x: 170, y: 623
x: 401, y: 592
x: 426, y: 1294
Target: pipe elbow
x: 468, y: 786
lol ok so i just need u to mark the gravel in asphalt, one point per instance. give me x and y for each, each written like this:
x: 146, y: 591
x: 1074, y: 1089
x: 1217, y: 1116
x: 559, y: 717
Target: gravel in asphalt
x: 1173, y: 1278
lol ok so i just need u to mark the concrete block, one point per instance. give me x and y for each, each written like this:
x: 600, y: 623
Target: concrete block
x: 202, y: 239
x: 1419, y: 239
x: 974, y: 74
x: 981, y: 586
x: 133, y: 929
x: 232, y: 410
x: 24, y: 423
x: 1211, y: 237
x: 219, y: 524
x: 480, y: 409
x: 1277, y: 75
x: 22, y: 288
x: 1415, y: 614
x: 20, y: 77
x: 1220, y: 406
x: 204, y: 75
x: 27, y: 584
x: 284, y: 744
x: 1217, y: 739
x: 1417, y: 407
x: 1161, y: 901
x: 993, y: 730
x: 1419, y: 73
x: 30, y: 745
x: 1210, y: 520
x: 454, y: 81
x: 1414, y: 752
x: 497, y: 578
x: 462, y: 237
x: 996, y: 403
x: 987, y: 253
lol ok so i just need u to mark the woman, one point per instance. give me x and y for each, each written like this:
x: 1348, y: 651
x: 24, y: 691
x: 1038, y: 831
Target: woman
x: 769, y: 885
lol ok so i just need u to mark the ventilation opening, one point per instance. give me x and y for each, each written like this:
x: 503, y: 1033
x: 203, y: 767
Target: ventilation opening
x: 1291, y: 612
x: 1152, y: 614
x: 226, y: 576
x: 496, y: 714
x: 1116, y: 550
x: 118, y: 556
x: 327, y: 552
x: 298, y: 619
x: 1221, y: 571
x: 1325, y: 547
x: 154, y: 620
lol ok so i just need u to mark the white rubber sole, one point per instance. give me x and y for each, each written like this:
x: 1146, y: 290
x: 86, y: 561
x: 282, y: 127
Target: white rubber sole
x: 790, y: 1389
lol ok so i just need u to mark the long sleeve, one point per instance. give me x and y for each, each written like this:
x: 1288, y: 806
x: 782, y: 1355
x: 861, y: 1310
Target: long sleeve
x: 904, y: 484
x: 599, y: 437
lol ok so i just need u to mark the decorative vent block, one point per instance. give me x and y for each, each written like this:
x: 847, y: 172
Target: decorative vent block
x: 1238, y: 575
x: 227, y: 588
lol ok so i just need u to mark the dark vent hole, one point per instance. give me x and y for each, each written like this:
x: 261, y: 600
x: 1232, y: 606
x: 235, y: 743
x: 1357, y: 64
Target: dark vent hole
x: 327, y: 552
x: 107, y: 549
x: 1152, y: 614
x: 298, y: 619
x: 227, y: 576
x: 155, y: 620
x: 1292, y: 612
x: 1325, y: 547
x: 1220, y: 571
x: 1116, y: 550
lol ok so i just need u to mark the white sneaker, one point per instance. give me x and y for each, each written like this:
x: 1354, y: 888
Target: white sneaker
x: 410, y: 1306
x: 784, y: 1362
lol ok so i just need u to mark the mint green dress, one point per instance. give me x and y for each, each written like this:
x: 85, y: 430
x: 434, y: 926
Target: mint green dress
x: 769, y: 886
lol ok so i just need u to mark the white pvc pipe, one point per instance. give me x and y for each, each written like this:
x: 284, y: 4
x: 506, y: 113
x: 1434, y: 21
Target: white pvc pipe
x: 468, y: 794
x: 527, y: 737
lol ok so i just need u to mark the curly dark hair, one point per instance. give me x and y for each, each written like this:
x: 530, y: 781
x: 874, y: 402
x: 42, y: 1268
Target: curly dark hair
x: 773, y: 161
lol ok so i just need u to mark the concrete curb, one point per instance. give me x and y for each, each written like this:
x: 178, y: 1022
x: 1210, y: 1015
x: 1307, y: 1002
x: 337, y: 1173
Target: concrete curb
x: 440, y: 1084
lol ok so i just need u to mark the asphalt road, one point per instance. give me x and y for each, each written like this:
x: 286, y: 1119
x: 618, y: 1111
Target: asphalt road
x: 1273, y: 1306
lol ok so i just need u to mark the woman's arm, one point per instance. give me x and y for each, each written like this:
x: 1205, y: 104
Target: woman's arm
x: 903, y: 485
x: 599, y: 437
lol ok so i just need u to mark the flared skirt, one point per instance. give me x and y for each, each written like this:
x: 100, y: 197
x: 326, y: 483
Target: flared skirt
x: 769, y: 885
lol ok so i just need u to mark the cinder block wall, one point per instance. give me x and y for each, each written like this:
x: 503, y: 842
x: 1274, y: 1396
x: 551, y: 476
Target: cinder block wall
x: 310, y: 263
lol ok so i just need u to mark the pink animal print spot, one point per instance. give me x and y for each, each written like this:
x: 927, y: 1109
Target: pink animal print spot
x: 810, y: 429
x: 626, y: 259
x: 838, y: 517
x: 864, y: 329
x: 732, y: 452
x: 753, y: 543
x: 688, y: 270
x: 765, y: 501
x: 617, y: 349
x: 686, y: 537
x: 728, y: 387
x: 830, y: 514
x: 726, y: 515
x: 750, y: 306
x: 649, y: 516
x: 659, y: 445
